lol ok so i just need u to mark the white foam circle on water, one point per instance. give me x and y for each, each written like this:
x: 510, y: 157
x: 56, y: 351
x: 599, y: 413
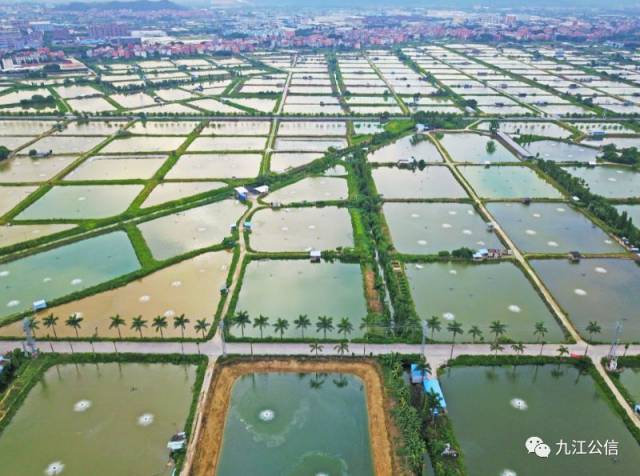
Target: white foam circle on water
x: 519, y: 404
x: 169, y: 313
x: 415, y: 215
x: 176, y: 284
x: 453, y: 212
x: 82, y: 406
x: 580, y: 292
x: 422, y: 242
x: 467, y: 232
x: 202, y: 229
x: 76, y: 281
x: 537, y: 215
x: 608, y: 242
x: 13, y: 303
x: 47, y: 280
x: 446, y: 225
x: 508, y: 472
x: 453, y: 271
x: 419, y: 266
x: 54, y: 468
x: 514, y: 308
x: 448, y: 316
x: 267, y: 415
x: 144, y: 298
x: 560, y: 209
x: 312, y: 227
x: 601, y: 270
x: 4, y: 273
x: 82, y: 199
x: 146, y: 419
x: 552, y: 244
x: 531, y: 232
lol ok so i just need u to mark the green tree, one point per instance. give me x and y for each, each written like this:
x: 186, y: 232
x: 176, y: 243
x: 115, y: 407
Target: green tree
x: 74, y: 321
x: 518, y: 348
x: 498, y: 329
x: 261, y: 322
x: 540, y: 331
x: 50, y: 322
x: 475, y: 332
x: 324, y: 325
x: 345, y: 327
x: 180, y: 322
x: 160, y: 324
x: 4, y: 153
x: 33, y: 324
x: 434, y: 324
x: 281, y: 326
x: 241, y: 320
x: 201, y: 326
x: 592, y: 328
x: 301, y: 323
x: 138, y: 323
x: 491, y: 147
x: 116, y: 322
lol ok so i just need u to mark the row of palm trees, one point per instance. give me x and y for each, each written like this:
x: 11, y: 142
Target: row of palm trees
x: 323, y: 324
x: 137, y: 323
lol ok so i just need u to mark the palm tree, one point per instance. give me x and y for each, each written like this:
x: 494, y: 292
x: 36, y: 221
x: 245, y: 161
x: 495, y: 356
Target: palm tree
x: 261, y: 322
x: 181, y: 322
x: 592, y: 328
x: 116, y: 322
x: 50, y: 322
x: 302, y: 322
x: 434, y: 324
x: 316, y: 347
x: 540, y: 331
x: 74, y: 322
x: 34, y: 325
x: 159, y: 324
x: 241, y: 320
x: 138, y: 323
x: 345, y: 327
x: 201, y: 326
x: 475, y: 333
x: 455, y: 328
x: 324, y: 324
x: 496, y: 347
x: 498, y: 329
x: 341, y: 347
x: 281, y: 326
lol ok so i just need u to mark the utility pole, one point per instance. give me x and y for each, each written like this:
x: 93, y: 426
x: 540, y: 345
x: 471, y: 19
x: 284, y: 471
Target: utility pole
x: 613, y: 355
x: 224, y: 344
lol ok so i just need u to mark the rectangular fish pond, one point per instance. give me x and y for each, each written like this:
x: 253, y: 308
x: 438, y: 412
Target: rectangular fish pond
x: 294, y: 417
x: 99, y: 419
x: 495, y: 410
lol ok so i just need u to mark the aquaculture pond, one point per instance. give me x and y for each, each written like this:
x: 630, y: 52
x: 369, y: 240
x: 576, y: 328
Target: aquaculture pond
x: 191, y: 229
x: 99, y: 419
x: 199, y: 166
x: 476, y: 148
x: 296, y: 424
x: 312, y: 189
x: 551, y: 228
x: 630, y: 380
x: 65, y: 270
x: 404, y: 149
x: 170, y: 191
x: 431, y: 182
x: 11, y: 196
x: 77, y: 202
x: 478, y: 294
x: 172, y: 291
x: 508, y: 182
x: 26, y: 169
x: 495, y: 410
x: 315, y: 289
x: 12, y: 234
x: 610, y: 182
x: 558, y: 151
x: 601, y: 290
x: 301, y: 229
x: 426, y: 228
